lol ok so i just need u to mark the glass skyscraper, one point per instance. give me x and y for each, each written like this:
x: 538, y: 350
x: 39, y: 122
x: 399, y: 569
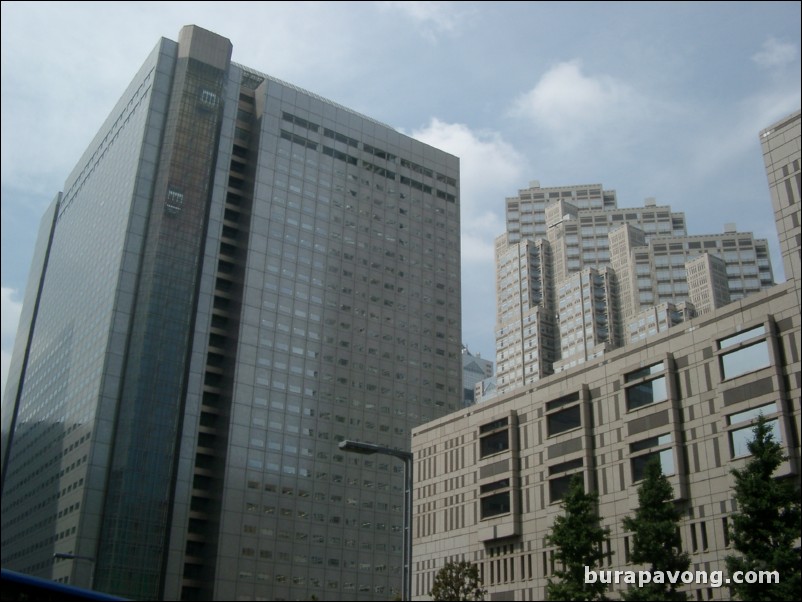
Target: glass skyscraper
x: 238, y: 275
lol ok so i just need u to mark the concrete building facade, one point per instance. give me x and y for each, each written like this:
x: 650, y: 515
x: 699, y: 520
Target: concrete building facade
x: 780, y: 145
x: 525, y: 325
x: 658, y: 318
x: 587, y: 315
x: 708, y: 285
x: 238, y: 275
x: 489, y: 479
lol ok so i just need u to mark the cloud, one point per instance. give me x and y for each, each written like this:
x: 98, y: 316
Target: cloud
x: 775, y: 54
x: 433, y: 18
x: 88, y: 65
x: 572, y: 106
x: 11, y: 310
x: 729, y: 136
x: 490, y: 170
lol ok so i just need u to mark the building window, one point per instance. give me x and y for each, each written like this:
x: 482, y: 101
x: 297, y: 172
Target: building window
x: 741, y: 354
x: 644, y: 451
x: 741, y: 436
x: 175, y: 201
x: 563, y: 420
x: 646, y: 388
x: 495, y: 498
x: 208, y: 99
x: 563, y: 414
x: 560, y: 476
x: 494, y: 437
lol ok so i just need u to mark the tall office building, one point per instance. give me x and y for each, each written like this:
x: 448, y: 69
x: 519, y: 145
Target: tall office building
x: 587, y: 310
x: 475, y: 369
x: 708, y: 285
x: 525, y: 326
x: 575, y: 273
x: 238, y: 275
x: 781, y: 155
x: 489, y: 479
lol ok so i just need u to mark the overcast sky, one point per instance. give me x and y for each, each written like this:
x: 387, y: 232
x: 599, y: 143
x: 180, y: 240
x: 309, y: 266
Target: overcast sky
x: 652, y: 99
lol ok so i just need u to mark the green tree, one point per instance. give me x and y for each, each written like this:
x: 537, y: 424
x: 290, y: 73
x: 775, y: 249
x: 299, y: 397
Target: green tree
x: 579, y: 538
x: 457, y: 581
x: 766, y: 526
x: 655, y: 537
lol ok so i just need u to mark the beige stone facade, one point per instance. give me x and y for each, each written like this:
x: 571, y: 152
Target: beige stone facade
x: 708, y: 287
x: 781, y: 155
x: 489, y: 478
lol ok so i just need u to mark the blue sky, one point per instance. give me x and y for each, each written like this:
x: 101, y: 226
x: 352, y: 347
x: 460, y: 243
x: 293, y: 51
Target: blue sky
x: 652, y: 99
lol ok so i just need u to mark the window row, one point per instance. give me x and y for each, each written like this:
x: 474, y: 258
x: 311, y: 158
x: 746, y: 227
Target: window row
x: 495, y: 496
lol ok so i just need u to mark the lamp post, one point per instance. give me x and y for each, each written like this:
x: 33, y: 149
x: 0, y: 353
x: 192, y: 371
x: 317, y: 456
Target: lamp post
x: 371, y: 448
x: 68, y: 556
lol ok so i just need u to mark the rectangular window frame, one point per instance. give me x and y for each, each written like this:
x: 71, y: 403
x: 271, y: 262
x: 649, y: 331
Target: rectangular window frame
x: 571, y: 402
x: 641, y: 451
x: 494, y: 438
x: 174, y: 201
x: 736, y: 353
x: 562, y: 420
x: 639, y: 384
x: 560, y: 475
x: 495, y: 499
x: 741, y: 424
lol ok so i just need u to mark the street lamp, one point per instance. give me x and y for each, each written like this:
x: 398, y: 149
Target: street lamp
x: 68, y: 556
x: 371, y: 448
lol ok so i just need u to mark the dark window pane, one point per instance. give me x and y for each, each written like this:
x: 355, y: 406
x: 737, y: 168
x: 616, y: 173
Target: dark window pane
x: 492, y: 444
x: 492, y: 426
x: 558, y: 487
x: 494, y: 505
x: 645, y: 393
x: 564, y: 420
x: 639, y: 463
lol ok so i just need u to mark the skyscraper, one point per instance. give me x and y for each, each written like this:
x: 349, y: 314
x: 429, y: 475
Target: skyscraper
x: 237, y: 275
x: 578, y: 276
x: 474, y: 370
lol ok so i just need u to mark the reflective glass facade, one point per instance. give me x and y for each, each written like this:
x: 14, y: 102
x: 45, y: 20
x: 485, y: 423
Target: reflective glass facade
x: 248, y: 275
x: 55, y: 475
x: 350, y: 330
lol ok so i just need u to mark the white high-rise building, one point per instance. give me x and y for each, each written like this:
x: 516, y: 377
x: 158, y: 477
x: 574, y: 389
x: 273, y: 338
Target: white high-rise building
x: 575, y: 271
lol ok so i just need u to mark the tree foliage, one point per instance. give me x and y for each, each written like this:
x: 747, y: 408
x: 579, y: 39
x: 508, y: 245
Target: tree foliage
x: 457, y: 581
x: 579, y: 539
x: 655, y: 535
x: 766, y: 526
